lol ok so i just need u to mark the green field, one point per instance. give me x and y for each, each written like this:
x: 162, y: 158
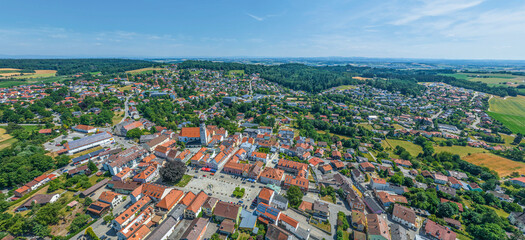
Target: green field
x: 489, y: 78
x: 459, y: 150
x: 509, y: 111
x: 412, y: 148
x: 10, y: 83
x: 235, y: 73
x: 145, y: 70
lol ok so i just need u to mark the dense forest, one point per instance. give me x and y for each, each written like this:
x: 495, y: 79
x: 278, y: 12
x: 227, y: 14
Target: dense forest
x: 74, y: 66
x: 316, y: 79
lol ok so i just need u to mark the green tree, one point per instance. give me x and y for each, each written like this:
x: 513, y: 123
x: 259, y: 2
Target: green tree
x: 173, y: 171
x: 517, y: 139
x: 295, y: 196
x: 79, y: 222
x: 92, y: 166
x: 134, y: 133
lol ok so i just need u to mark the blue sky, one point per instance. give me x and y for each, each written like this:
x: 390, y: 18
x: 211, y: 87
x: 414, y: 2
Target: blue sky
x: 451, y: 29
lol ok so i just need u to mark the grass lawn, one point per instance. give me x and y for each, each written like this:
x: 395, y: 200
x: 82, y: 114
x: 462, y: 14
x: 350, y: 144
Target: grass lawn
x: 235, y: 73
x: 85, y: 152
x: 366, y: 126
x: 462, y: 237
x: 327, y: 198
x: 122, y: 89
x: 509, y: 139
x: 412, y: 148
x: 459, y: 150
x: 184, y: 181
x: 332, y: 134
x: 510, y: 111
x: 323, y: 225
x: 117, y: 117
x: 243, y: 236
x: 397, y: 127
x: 500, y: 212
x: 195, y: 72
x: 501, y: 165
x: 345, y: 87
x: 144, y: 70
x: 6, y: 140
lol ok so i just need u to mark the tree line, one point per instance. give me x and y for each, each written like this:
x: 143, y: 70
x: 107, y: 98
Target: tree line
x: 75, y: 66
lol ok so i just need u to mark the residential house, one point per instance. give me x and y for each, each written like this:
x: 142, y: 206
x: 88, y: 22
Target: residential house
x: 358, y: 220
x: 438, y: 232
x: 377, y: 227
x: 226, y: 210
x: 404, y: 215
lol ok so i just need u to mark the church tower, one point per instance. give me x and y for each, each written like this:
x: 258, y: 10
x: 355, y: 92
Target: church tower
x: 204, y: 134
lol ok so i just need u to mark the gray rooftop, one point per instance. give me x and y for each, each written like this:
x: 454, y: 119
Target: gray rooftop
x: 89, y: 140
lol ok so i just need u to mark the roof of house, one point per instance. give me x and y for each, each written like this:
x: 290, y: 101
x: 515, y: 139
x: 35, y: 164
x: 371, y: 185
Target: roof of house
x: 132, y: 210
x: 170, y: 199
x: 265, y: 194
x: 107, y: 196
x: 285, y: 218
x: 84, y: 127
x: 197, y: 202
x: 227, y: 226
x: 296, y: 181
x: 150, y: 170
x: 226, y: 210
x: 306, y: 206
x: 190, y: 132
x: 273, y: 173
x: 98, y: 207
x: 404, y: 213
x: 195, y: 229
x: 438, y: 231
x: 377, y: 225
x: 276, y: 233
x: 188, y: 198
x: 326, y: 167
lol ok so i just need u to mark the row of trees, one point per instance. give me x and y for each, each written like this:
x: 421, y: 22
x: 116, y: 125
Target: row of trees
x: 74, y: 66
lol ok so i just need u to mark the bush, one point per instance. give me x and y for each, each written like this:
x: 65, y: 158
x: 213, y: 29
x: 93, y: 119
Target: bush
x: 91, y: 233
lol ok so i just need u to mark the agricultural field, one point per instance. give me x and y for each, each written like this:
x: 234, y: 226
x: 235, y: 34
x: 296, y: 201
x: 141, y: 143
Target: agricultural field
x: 501, y: 165
x: 144, y: 70
x: 20, y: 74
x: 490, y: 78
x: 510, y: 111
x: 6, y: 140
x: 5, y: 83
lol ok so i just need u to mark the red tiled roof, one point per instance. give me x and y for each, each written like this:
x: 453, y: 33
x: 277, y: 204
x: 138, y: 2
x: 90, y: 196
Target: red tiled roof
x: 190, y: 132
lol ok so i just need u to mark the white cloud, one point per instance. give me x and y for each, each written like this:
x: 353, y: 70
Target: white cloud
x: 434, y: 8
x: 255, y: 17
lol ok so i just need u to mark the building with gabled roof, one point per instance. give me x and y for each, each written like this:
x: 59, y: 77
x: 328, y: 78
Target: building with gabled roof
x: 195, y: 207
x: 404, y: 215
x: 377, y: 227
x: 168, y: 201
x: 226, y: 210
x: 438, y: 232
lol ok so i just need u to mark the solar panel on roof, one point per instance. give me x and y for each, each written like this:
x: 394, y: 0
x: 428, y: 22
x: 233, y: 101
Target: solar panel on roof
x: 88, y: 140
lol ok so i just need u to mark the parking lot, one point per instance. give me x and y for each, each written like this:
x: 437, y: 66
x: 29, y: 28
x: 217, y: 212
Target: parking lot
x: 51, y: 145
